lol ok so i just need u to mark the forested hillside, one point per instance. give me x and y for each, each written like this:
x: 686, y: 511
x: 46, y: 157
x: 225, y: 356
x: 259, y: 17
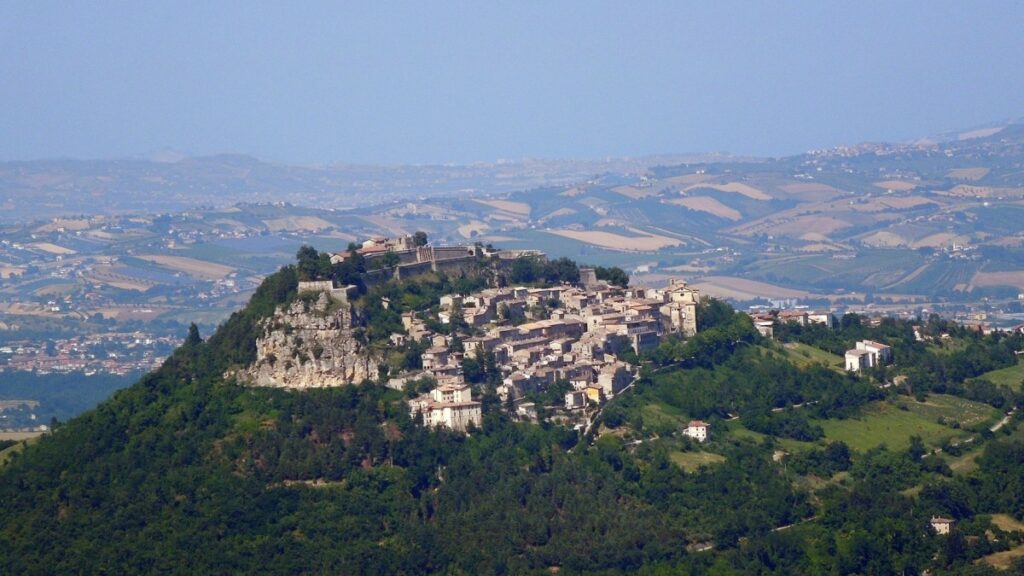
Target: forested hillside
x: 186, y: 472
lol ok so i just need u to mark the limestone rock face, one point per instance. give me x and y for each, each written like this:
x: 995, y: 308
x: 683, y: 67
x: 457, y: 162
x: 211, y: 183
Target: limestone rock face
x: 310, y: 344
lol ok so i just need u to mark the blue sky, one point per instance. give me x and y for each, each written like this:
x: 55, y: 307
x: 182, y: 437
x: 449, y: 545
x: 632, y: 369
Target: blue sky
x: 432, y: 82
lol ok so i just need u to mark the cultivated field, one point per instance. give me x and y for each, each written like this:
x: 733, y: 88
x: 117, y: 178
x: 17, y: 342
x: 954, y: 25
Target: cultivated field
x: 634, y: 192
x: 53, y: 248
x: 110, y: 277
x: 883, y: 423
x: 735, y: 188
x: 885, y: 239
x: 65, y: 223
x: 643, y: 242
x: 709, y: 205
x: 195, y: 268
x: 968, y: 173
x: 692, y: 461
x: 297, y: 224
x: 811, y: 224
x: 898, y: 185
x: 686, y: 179
x: 939, y: 240
x: 556, y: 214
x: 984, y: 191
x: 886, y: 203
x: 1015, y: 279
x: 744, y: 289
x: 815, y: 190
x: 521, y: 208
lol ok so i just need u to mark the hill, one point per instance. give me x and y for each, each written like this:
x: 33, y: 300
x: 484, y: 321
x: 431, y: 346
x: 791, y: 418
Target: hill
x: 935, y: 218
x: 188, y: 472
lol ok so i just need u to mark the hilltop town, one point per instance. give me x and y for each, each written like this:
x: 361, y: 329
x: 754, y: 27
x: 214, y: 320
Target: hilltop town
x: 572, y: 337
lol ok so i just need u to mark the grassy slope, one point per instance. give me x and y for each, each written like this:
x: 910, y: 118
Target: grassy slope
x: 1012, y: 376
x: 692, y: 461
x: 7, y: 453
x: 804, y: 355
x: 884, y: 423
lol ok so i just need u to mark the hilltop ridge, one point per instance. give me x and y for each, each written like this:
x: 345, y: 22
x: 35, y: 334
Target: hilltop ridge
x: 188, y: 472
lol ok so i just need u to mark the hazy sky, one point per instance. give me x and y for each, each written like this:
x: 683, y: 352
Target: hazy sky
x: 425, y: 82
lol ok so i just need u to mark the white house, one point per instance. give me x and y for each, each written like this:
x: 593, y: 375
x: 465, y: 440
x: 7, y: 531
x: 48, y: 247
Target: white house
x: 697, y: 429
x: 825, y: 318
x: 450, y: 406
x: 868, y: 354
x: 857, y: 360
x: 881, y: 354
x: 941, y: 525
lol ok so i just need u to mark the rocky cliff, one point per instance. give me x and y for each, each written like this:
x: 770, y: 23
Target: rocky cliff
x: 310, y: 343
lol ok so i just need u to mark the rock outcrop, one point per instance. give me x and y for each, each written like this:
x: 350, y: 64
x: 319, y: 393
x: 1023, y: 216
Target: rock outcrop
x: 310, y: 344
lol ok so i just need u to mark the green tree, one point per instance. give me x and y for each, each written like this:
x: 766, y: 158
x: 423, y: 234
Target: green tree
x: 193, y: 338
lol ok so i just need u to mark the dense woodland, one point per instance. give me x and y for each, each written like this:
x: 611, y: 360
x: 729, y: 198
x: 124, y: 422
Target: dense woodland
x: 60, y: 396
x: 187, y: 473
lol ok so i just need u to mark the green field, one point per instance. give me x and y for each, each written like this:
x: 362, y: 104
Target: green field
x: 967, y: 413
x: 1012, y: 376
x: 804, y: 355
x: 6, y: 453
x: 737, y: 430
x: 883, y: 423
x: 692, y: 461
x: 661, y: 414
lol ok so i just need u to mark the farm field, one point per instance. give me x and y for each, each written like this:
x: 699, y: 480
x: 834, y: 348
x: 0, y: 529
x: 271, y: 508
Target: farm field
x: 870, y: 269
x: 643, y: 242
x: 692, y: 461
x: 967, y: 413
x: 1012, y: 376
x: 898, y: 185
x: 883, y: 423
x: 112, y: 277
x: 1015, y: 279
x: 10, y: 272
x: 53, y: 248
x: 804, y: 355
x: 633, y: 192
x: 735, y: 188
x: 736, y: 429
x: 744, y: 289
x: 709, y: 205
x: 191, y: 266
x: 297, y: 223
x: 520, y: 208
